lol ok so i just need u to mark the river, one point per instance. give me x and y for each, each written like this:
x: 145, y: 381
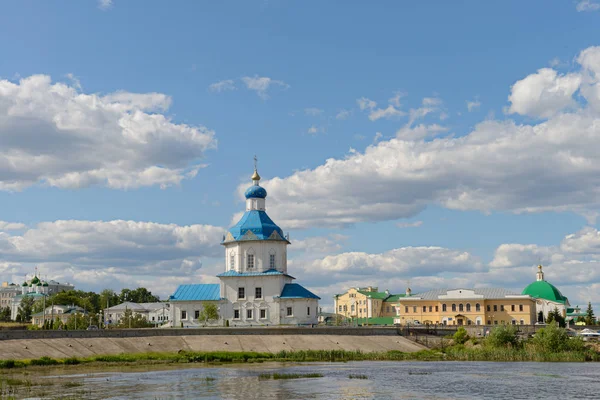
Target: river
x: 385, y: 380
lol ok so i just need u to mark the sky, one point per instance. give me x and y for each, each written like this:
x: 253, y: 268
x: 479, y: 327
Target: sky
x: 427, y: 144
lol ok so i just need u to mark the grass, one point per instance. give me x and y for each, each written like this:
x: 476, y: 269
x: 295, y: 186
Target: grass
x: 357, y: 376
x: 289, y: 376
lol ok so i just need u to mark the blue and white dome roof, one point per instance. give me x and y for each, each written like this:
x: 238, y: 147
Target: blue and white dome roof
x: 255, y: 192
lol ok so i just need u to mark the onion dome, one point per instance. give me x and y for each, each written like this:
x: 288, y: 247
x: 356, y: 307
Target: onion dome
x: 544, y: 290
x: 35, y: 280
x: 45, y: 284
x: 24, y: 284
x: 255, y: 192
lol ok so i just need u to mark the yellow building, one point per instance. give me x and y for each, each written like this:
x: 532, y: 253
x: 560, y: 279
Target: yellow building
x: 366, y: 302
x: 487, y: 306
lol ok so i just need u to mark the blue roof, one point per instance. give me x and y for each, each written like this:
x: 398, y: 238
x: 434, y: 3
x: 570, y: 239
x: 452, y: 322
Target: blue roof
x: 206, y: 291
x: 255, y: 192
x: 296, y: 291
x: 265, y: 273
x: 258, y: 223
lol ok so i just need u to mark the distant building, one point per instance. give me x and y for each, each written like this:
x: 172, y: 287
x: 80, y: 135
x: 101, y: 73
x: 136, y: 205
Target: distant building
x: 255, y: 288
x: 367, y: 302
x: 37, y: 288
x: 155, y: 313
x: 547, y: 297
x: 56, y: 312
x: 7, y: 292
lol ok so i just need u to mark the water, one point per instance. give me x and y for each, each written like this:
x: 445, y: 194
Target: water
x: 386, y: 380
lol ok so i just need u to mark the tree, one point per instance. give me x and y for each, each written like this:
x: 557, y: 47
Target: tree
x: 209, y: 312
x: 589, y: 315
x: 139, y: 295
x: 26, y: 308
x: 553, y: 339
x: 131, y: 320
x: 503, y: 336
x: 461, y: 336
x: 5, y: 314
x: 556, y: 316
x: 108, y: 297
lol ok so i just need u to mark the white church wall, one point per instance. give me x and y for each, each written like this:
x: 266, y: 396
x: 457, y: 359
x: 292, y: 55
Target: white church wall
x: 184, y: 313
x: 261, y: 250
x: 303, y: 311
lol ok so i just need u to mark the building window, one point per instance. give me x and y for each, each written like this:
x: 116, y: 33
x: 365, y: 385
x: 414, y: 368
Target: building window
x: 289, y: 312
x: 502, y: 307
x: 196, y: 314
x: 514, y: 322
x: 468, y: 307
x: 522, y: 322
x: 512, y: 307
x: 453, y: 307
x: 241, y: 293
x: 250, y: 261
x: 345, y: 308
x: 521, y: 308
x: 183, y: 314
x: 489, y: 322
x: 352, y: 308
x: 249, y: 314
x: 424, y: 308
x: 437, y: 308
x: 406, y: 309
x: 232, y: 261
x: 460, y: 308
x: 495, y: 307
x: 307, y: 310
x: 236, y: 314
x: 263, y: 313
x: 415, y: 309
x: 495, y: 322
x: 489, y: 308
x: 443, y: 308
x: 387, y: 308
x: 340, y: 309
x: 258, y: 293
x: 272, y: 261
x: 477, y: 307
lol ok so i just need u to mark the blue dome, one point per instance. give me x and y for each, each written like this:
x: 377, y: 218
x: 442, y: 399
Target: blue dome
x: 257, y: 222
x: 255, y: 191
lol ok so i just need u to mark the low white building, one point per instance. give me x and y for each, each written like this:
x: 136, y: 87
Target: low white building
x: 187, y: 303
x: 255, y: 288
x: 155, y: 313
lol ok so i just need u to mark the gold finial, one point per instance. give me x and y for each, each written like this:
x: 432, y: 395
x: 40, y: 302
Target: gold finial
x: 255, y: 175
x: 540, y: 267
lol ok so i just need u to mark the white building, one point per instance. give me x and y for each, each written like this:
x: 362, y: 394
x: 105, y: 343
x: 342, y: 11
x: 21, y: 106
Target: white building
x: 155, y: 313
x: 255, y: 288
x: 37, y: 288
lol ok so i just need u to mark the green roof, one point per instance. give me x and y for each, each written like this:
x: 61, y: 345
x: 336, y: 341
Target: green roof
x: 375, y: 321
x: 395, y: 297
x: 375, y: 295
x: 544, y: 290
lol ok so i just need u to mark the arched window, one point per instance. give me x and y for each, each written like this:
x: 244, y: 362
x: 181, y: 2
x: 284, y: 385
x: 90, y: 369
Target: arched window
x: 468, y: 307
x: 443, y: 308
x: 453, y: 307
x: 232, y: 260
x: 460, y: 308
x: 250, y: 258
x: 477, y: 307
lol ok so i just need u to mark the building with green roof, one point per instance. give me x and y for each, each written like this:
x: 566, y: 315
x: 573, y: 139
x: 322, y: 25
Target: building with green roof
x: 367, y: 302
x: 547, y: 297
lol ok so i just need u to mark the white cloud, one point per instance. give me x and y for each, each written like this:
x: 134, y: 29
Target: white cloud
x: 11, y: 226
x: 395, y: 101
x: 587, y: 5
x: 313, y: 130
x: 261, y: 84
x: 544, y: 93
x: 343, y: 114
x: 415, y: 224
x: 473, y: 105
x: 553, y: 165
x: 52, y: 134
x: 313, y: 111
x: 318, y: 245
x: 105, y: 4
x: 222, y: 86
x: 389, y: 112
x: 365, y: 104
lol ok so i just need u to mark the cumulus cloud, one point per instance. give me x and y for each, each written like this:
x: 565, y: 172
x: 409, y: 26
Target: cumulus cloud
x: 365, y: 104
x: 52, y: 134
x: 222, y: 86
x: 473, y: 105
x: 587, y: 5
x: 262, y: 84
x: 552, y: 165
x: 389, y: 112
x: 105, y: 4
x: 414, y: 224
x: 11, y: 226
x: 343, y: 114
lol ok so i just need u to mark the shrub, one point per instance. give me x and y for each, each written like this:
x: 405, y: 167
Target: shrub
x: 461, y: 336
x: 552, y: 339
x: 503, y: 336
x: 43, y: 361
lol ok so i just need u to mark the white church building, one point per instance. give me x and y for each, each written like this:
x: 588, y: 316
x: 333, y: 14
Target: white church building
x: 255, y: 288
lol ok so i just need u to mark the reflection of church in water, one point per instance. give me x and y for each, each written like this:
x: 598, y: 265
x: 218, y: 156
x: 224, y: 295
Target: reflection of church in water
x: 255, y: 288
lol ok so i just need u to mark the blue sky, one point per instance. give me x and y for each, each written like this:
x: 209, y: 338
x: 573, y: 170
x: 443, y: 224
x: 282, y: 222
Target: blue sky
x: 438, y: 143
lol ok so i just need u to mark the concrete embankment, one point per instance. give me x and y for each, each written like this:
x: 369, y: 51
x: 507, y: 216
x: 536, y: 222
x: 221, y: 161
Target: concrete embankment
x: 80, y: 347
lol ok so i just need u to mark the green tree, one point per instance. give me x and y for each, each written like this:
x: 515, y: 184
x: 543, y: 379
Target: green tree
x: 26, y: 308
x: 131, y: 320
x: 461, y: 336
x: 554, y: 339
x: 139, y: 295
x: 89, y: 301
x: 503, y: 336
x: 76, y: 321
x: 209, y: 312
x: 589, y: 315
x: 108, y: 296
x: 5, y: 314
x: 556, y: 316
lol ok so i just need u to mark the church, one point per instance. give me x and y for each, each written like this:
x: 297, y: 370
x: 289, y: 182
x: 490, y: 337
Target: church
x: 255, y: 289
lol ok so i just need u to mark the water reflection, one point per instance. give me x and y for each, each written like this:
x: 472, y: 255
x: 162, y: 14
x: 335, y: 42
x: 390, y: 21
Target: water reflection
x: 386, y: 380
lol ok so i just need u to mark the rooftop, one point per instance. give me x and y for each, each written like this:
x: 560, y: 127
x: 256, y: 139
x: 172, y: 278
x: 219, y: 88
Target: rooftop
x: 297, y: 291
x: 268, y: 272
x: 199, y: 292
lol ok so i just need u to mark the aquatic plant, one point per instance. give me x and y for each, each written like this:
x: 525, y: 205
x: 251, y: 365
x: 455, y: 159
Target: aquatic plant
x: 357, y: 376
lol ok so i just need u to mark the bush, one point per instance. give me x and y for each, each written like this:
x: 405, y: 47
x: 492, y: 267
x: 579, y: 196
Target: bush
x: 503, y: 336
x: 552, y: 339
x: 461, y: 336
x: 43, y: 361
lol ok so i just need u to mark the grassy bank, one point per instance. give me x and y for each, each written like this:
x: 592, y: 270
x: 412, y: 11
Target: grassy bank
x: 450, y: 353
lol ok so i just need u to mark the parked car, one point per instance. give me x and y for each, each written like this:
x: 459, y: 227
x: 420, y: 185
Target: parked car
x: 92, y: 328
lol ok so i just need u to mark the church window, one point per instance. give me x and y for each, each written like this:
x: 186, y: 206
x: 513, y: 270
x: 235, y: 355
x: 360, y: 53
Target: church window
x: 250, y: 261
x: 249, y: 314
x: 460, y: 308
x: 272, y: 261
x: 236, y: 314
x: 521, y: 308
x: 289, y: 312
x: 258, y: 293
x: 307, y: 310
x: 183, y: 314
x: 241, y: 293
x: 477, y: 307
x: 468, y: 307
x: 196, y: 314
x: 443, y: 308
x: 453, y: 307
x: 263, y: 313
x: 232, y: 261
